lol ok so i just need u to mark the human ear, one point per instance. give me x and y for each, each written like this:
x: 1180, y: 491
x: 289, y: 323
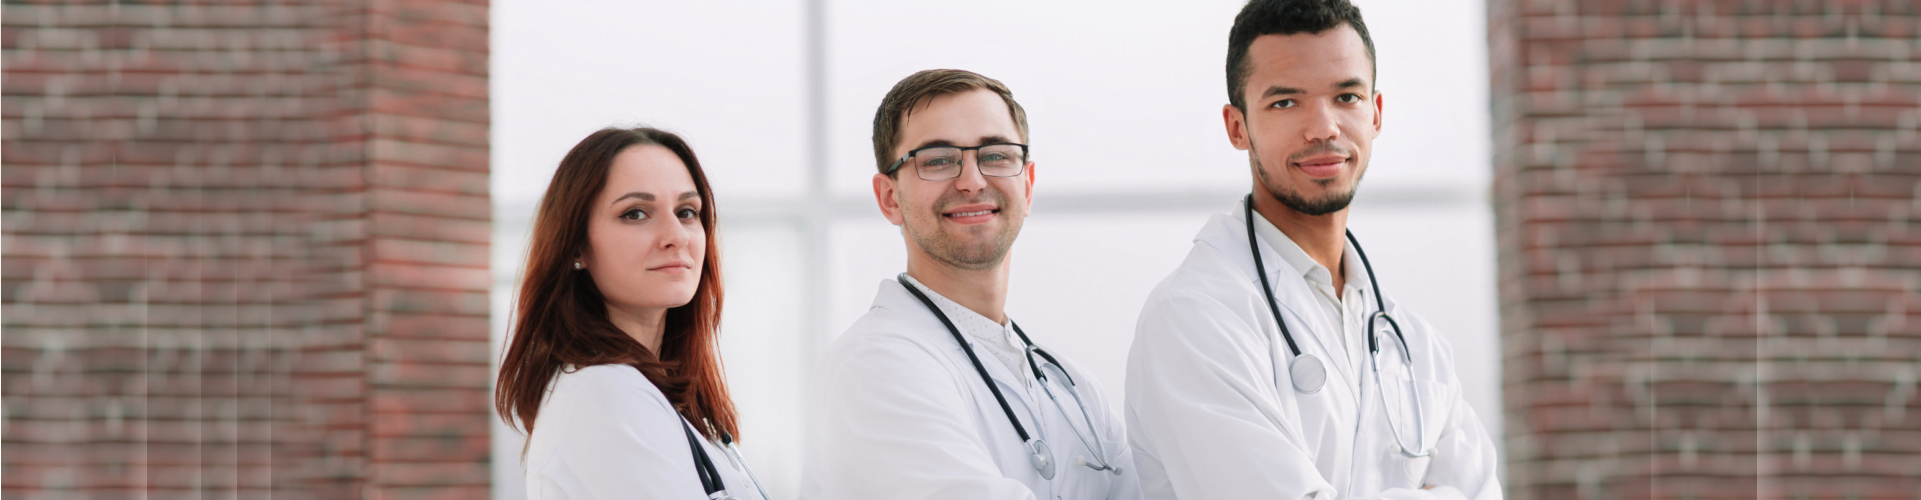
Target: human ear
x: 885, y: 192
x: 1236, y: 123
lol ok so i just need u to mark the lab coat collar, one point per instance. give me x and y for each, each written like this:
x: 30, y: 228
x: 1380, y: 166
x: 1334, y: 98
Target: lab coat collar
x: 895, y: 298
x: 1354, y: 275
x: 1227, y: 234
x: 972, y: 324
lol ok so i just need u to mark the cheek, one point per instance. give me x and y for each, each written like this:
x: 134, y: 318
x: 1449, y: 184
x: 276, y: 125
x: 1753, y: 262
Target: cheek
x: 1013, y: 188
x: 697, y: 243
x: 914, y: 203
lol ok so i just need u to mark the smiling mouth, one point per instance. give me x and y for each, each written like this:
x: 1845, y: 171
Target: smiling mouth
x: 971, y: 214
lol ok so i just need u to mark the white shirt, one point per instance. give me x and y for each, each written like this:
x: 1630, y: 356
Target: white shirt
x: 996, y: 338
x: 1211, y: 408
x: 605, y: 432
x: 900, y: 412
x: 1347, y: 309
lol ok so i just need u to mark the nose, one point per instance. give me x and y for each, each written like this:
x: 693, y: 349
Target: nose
x: 971, y: 179
x: 673, y: 234
x: 1322, y: 125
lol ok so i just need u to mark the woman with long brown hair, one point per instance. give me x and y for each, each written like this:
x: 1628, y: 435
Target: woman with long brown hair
x: 612, y: 367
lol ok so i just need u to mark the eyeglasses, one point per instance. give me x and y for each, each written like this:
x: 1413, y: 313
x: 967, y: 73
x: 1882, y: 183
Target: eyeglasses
x: 939, y: 163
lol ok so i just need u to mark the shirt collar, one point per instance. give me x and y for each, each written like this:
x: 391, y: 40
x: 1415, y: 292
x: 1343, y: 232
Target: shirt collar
x: 1305, y: 265
x: 971, y: 324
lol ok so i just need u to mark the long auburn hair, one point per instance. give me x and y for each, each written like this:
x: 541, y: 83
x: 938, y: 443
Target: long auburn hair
x: 562, y: 317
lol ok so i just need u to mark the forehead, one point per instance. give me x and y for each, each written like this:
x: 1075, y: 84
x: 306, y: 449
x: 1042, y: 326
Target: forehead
x: 1307, y: 61
x: 646, y: 168
x: 961, y: 118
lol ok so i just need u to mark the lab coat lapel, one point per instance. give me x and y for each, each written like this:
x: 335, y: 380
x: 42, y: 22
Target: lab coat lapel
x: 898, y: 299
x: 1228, y: 233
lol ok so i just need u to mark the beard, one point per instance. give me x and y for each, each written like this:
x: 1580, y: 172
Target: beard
x: 951, y: 249
x: 1293, y: 199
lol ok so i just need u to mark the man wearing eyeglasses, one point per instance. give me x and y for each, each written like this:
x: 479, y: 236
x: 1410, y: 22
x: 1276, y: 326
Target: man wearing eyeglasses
x: 936, y: 392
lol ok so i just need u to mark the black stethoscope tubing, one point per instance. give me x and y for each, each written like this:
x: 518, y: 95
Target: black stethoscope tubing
x: 1380, y: 305
x: 1018, y: 429
x: 1039, y: 453
x: 1373, y: 343
x: 703, y: 465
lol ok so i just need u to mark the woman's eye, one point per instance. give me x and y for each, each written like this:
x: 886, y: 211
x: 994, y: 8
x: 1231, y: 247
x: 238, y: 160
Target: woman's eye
x: 633, y: 214
x: 687, y: 213
x: 1283, y: 103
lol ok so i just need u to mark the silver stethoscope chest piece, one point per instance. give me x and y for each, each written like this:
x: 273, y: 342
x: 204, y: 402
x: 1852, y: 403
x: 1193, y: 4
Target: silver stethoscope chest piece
x: 1038, y: 453
x: 1308, y: 374
x: 1042, y: 457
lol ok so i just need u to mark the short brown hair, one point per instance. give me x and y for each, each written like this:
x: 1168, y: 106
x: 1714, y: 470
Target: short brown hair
x: 927, y: 84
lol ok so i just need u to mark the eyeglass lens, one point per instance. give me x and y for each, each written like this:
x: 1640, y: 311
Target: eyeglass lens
x: 997, y: 160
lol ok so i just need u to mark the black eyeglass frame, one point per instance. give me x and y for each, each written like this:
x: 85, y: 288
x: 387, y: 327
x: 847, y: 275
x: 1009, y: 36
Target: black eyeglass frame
x: 976, y: 149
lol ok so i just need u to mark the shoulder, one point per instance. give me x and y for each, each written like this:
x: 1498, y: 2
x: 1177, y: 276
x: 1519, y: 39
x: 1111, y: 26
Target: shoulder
x: 896, y: 347
x: 603, y: 392
x: 1206, y: 289
x: 606, y: 380
x: 888, y: 339
x: 1207, y: 274
x: 588, y: 404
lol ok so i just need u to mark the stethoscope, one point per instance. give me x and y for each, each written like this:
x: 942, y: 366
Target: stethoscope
x: 1307, y: 371
x: 1038, y: 452
x: 704, y: 466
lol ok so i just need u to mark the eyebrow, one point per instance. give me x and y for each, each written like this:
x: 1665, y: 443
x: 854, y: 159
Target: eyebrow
x: 650, y: 196
x: 1343, y: 84
x: 1279, y: 90
x: 985, y: 139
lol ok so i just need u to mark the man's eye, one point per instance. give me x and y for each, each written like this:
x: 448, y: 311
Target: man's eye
x: 1283, y: 103
x: 633, y: 214
x: 1349, y: 98
x: 936, y: 162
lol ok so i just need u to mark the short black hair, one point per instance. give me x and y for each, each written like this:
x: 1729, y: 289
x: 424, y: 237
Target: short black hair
x: 1285, y: 17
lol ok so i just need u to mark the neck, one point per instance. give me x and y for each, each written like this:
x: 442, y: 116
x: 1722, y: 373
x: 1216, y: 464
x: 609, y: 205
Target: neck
x: 644, y: 324
x: 1321, y: 236
x: 983, y: 291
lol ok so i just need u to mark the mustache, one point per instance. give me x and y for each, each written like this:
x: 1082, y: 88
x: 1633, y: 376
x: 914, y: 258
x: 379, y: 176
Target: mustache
x: 1319, y: 148
x: 988, y: 196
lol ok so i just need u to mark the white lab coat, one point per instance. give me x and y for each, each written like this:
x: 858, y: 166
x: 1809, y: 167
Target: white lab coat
x: 1212, y: 412
x: 605, y: 432
x: 900, y: 413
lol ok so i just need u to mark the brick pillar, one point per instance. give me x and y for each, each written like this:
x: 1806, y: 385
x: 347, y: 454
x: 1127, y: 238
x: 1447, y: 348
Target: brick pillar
x: 245, y: 250
x: 1709, y: 279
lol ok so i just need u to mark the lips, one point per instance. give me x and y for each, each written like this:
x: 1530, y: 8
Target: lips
x: 1322, y: 166
x: 673, y: 267
x: 971, y: 214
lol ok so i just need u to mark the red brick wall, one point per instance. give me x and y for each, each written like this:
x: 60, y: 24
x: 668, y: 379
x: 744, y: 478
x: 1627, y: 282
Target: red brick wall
x: 245, y: 249
x: 1709, y: 281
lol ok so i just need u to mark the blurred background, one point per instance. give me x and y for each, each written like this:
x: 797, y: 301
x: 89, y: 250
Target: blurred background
x: 262, y: 249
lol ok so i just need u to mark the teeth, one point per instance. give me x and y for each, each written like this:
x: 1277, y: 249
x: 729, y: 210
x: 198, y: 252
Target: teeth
x: 970, y: 214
